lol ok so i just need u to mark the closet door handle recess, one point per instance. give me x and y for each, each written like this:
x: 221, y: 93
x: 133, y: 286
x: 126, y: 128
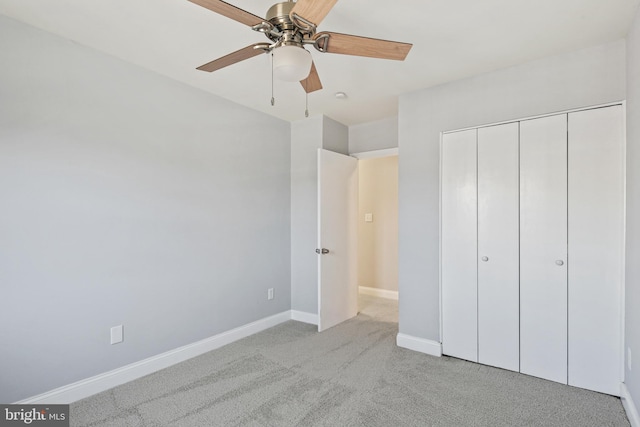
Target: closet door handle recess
x: 485, y: 258
x: 560, y: 262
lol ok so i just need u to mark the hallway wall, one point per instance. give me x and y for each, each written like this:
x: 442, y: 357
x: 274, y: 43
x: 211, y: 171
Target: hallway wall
x: 378, y: 240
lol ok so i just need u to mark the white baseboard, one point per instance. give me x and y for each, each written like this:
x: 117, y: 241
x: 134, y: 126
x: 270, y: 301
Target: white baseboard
x: 629, y: 406
x: 304, y: 317
x: 90, y: 386
x: 382, y: 293
x: 422, y: 345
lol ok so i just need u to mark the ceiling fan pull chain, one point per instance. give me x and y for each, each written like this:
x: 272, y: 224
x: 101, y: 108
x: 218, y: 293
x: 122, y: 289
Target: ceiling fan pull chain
x: 306, y: 100
x: 273, y: 99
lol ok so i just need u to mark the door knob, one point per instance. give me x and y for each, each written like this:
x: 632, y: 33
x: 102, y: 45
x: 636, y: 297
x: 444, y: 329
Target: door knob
x: 322, y: 251
x: 560, y: 262
x: 485, y: 258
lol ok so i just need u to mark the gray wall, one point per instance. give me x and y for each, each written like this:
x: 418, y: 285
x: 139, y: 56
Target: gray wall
x: 377, y: 135
x: 582, y: 78
x: 632, y: 294
x: 306, y: 137
x: 335, y: 136
x: 127, y: 198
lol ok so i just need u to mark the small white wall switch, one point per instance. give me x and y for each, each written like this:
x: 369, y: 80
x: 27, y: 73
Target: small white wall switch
x: 368, y: 217
x: 117, y: 335
x: 270, y: 293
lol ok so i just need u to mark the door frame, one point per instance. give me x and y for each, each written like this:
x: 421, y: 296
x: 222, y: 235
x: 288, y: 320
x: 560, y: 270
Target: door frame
x: 372, y: 154
x: 378, y: 154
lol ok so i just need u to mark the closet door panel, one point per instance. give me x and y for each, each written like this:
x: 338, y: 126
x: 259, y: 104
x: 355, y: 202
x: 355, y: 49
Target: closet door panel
x: 459, y: 245
x: 596, y: 204
x: 498, y: 293
x: 543, y: 248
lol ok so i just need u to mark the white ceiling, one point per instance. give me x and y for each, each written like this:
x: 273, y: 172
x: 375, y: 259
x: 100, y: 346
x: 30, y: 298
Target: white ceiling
x: 452, y: 39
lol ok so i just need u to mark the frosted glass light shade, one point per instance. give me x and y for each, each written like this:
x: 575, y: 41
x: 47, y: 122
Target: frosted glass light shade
x: 291, y: 63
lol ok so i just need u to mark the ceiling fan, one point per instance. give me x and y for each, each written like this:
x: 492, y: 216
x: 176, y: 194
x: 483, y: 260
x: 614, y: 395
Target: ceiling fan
x: 290, y: 26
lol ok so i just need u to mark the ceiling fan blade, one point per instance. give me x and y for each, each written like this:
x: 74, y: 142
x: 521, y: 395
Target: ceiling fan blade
x: 347, y: 44
x: 237, y: 56
x: 230, y: 11
x: 313, y: 11
x: 312, y: 82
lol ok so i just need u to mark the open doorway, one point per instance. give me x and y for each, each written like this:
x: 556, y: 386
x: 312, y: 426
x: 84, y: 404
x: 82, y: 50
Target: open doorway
x: 378, y: 237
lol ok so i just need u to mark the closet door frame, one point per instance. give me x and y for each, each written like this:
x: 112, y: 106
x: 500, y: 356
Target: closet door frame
x: 568, y: 111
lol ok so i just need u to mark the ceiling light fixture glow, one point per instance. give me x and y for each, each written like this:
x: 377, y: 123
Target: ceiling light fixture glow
x: 291, y: 63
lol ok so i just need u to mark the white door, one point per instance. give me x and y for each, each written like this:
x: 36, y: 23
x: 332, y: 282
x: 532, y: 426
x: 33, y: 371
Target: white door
x: 543, y: 248
x: 337, y: 238
x: 459, y: 246
x: 498, y: 270
x: 596, y: 221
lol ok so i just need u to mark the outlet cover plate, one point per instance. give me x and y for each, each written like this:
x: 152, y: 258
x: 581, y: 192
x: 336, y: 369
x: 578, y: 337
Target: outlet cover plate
x: 117, y: 334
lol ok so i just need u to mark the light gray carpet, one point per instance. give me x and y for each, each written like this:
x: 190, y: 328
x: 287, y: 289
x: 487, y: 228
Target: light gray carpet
x: 350, y: 375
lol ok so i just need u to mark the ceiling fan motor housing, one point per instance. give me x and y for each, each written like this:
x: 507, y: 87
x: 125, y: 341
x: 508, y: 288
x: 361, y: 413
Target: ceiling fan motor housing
x: 289, y: 32
x: 278, y: 15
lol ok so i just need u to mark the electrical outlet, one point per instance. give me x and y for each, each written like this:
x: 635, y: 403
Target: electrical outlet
x: 117, y: 334
x: 629, y: 357
x: 270, y: 293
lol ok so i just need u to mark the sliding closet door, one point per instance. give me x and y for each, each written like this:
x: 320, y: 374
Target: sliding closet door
x: 543, y: 248
x: 498, y: 294
x: 459, y: 246
x: 596, y: 203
